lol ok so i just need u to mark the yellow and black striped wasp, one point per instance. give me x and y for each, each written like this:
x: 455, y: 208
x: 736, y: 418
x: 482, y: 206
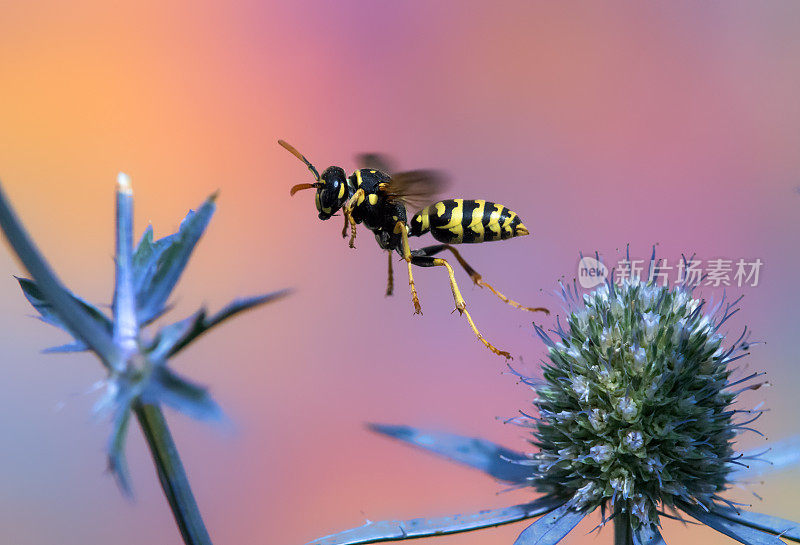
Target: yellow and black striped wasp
x: 378, y: 198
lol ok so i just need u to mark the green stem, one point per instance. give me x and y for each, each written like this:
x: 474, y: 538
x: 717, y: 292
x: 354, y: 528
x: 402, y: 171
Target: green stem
x: 622, y: 527
x: 172, y: 475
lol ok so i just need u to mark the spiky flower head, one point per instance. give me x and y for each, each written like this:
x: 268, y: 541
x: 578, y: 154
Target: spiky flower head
x: 136, y: 360
x: 634, y: 406
x: 634, y: 415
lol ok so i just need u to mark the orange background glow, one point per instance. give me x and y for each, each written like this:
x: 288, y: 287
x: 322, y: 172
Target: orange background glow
x: 676, y: 124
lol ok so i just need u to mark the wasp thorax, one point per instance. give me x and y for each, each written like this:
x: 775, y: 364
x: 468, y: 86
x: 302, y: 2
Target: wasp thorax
x: 643, y: 373
x: 332, y: 192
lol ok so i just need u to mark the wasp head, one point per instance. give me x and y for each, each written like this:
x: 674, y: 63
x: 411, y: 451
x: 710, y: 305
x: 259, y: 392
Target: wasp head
x: 331, y: 186
x: 331, y: 192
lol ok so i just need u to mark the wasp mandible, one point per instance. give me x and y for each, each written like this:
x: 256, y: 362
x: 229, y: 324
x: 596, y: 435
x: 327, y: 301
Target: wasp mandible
x: 377, y: 197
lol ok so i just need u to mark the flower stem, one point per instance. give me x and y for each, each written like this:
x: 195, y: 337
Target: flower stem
x: 622, y: 527
x: 172, y: 475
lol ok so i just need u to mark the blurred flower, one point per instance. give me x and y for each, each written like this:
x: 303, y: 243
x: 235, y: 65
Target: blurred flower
x: 138, y: 374
x: 634, y: 418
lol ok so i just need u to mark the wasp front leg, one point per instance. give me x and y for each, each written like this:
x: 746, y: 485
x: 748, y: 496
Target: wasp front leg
x: 390, y: 280
x: 422, y: 260
x: 347, y: 211
x: 346, y: 216
x: 476, y: 277
x: 402, y: 229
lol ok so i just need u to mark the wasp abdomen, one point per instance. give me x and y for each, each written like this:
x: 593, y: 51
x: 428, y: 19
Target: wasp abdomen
x: 456, y: 221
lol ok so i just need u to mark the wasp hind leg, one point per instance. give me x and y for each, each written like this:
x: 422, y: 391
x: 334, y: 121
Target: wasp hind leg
x: 475, y: 276
x: 421, y: 260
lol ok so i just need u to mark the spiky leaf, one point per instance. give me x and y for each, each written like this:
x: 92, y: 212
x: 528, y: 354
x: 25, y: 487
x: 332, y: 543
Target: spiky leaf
x: 158, y: 265
x: 48, y: 314
x: 175, y: 337
x: 390, y: 530
x: 774, y: 525
x: 169, y: 388
x: 499, y: 462
x: 647, y: 534
x: 739, y: 532
x: 117, y: 464
x: 552, y: 527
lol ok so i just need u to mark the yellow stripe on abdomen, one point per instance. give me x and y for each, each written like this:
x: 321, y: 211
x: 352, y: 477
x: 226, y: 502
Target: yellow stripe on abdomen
x: 508, y: 229
x: 493, y: 223
x: 476, y: 224
x: 455, y: 221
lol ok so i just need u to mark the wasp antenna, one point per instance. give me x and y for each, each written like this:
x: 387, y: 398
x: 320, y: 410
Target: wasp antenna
x: 300, y: 187
x: 291, y: 149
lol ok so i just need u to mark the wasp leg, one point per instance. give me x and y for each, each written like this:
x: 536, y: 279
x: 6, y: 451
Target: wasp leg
x: 347, y: 211
x: 349, y: 221
x: 346, y: 216
x: 390, y: 281
x: 475, y: 276
x: 461, y: 306
x: 402, y: 228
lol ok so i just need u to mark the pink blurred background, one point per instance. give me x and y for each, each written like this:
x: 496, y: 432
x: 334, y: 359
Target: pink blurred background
x: 673, y: 124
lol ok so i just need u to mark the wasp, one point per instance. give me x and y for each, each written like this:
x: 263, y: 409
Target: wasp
x: 378, y: 198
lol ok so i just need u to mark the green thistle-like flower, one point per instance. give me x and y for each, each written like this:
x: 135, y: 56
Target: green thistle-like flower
x: 634, y: 406
x: 634, y: 417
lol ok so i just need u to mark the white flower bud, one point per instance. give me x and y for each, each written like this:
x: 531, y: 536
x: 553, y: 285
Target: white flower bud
x: 634, y: 440
x: 639, y: 359
x: 627, y: 409
x: 581, y: 387
x: 601, y: 453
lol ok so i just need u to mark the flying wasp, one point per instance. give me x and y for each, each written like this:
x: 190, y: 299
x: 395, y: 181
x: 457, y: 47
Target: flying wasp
x: 378, y: 198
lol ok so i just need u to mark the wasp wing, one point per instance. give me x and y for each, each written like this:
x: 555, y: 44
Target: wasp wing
x: 376, y: 161
x: 416, y: 188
